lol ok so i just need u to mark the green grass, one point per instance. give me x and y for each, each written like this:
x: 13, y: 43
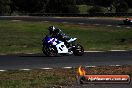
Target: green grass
x: 55, y: 77
x: 36, y: 78
x: 26, y: 37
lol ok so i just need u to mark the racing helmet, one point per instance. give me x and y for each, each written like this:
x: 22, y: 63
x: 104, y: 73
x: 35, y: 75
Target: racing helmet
x: 51, y: 29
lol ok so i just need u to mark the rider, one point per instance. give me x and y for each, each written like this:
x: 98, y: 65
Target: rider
x: 57, y: 33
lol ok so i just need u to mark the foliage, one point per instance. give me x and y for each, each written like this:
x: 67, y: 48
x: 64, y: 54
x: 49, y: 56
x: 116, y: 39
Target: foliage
x: 95, y: 9
x: 29, y: 6
x: 8, y: 7
x: 122, y: 7
x: 62, y: 6
x: 4, y: 7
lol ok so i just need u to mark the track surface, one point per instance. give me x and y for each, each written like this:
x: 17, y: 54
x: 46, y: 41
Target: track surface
x: 65, y: 19
x: 117, y: 22
x: 88, y: 59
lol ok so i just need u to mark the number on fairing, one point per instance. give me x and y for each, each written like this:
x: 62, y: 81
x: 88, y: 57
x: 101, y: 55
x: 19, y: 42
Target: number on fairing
x: 61, y: 47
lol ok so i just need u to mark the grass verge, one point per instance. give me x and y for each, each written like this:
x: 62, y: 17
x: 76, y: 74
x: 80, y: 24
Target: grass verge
x: 26, y: 37
x: 54, y: 78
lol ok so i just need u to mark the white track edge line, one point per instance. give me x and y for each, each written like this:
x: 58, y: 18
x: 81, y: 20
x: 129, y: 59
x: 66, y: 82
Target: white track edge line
x: 118, y: 50
x: 46, y: 68
x: 108, y: 50
x: 25, y: 69
x: 90, y: 66
x: 67, y: 67
x: 93, y: 51
x: 115, y: 65
x: 62, y: 67
x: 2, y: 70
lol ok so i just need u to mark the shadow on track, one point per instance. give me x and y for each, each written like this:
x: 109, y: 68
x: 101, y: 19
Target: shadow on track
x: 39, y: 55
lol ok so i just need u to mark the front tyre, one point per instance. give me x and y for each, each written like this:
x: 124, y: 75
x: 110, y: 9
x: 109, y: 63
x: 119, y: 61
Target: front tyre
x: 78, y: 50
x: 49, y: 51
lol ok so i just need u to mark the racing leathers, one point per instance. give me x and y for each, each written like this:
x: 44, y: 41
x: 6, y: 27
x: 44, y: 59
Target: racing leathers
x: 60, y: 35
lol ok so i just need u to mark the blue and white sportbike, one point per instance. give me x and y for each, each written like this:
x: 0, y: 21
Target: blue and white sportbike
x: 55, y: 47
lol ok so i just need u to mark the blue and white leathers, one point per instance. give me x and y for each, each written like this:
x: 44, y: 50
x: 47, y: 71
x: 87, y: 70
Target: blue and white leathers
x: 61, y: 47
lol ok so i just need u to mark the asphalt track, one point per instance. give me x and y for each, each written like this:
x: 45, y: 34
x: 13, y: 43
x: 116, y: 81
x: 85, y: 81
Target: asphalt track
x: 66, y: 19
x: 37, y: 61
x: 116, y: 22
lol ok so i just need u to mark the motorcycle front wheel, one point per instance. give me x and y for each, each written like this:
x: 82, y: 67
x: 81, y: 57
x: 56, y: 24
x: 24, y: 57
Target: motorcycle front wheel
x: 78, y: 50
x: 49, y: 51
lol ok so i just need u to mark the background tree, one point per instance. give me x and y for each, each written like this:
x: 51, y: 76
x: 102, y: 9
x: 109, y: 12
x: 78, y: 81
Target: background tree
x: 29, y: 6
x: 129, y: 2
x: 80, y: 2
x: 96, y: 9
x: 62, y: 6
x: 105, y: 3
x: 4, y: 7
x: 8, y: 7
x: 122, y: 6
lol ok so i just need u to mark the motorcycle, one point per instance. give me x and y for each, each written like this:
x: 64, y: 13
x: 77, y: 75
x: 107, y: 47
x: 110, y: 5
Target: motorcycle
x: 55, y: 47
x: 127, y: 21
